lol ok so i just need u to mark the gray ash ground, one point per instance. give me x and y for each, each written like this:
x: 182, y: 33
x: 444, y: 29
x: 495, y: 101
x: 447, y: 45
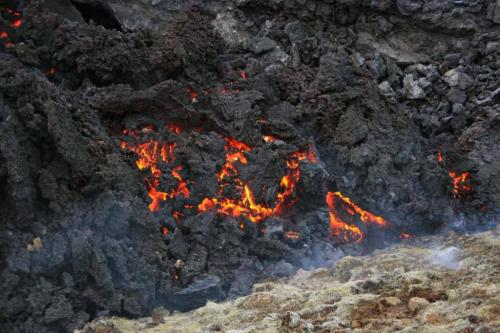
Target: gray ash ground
x: 395, y: 99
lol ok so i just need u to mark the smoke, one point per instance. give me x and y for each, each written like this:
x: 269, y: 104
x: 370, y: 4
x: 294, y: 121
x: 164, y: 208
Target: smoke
x: 448, y: 257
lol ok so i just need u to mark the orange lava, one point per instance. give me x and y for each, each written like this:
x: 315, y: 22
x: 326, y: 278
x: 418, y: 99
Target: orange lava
x: 246, y: 204
x: 16, y: 23
x: 164, y: 231
x: 268, y: 138
x: 150, y: 154
x: 343, y: 230
x: 182, y: 188
x: 174, y: 128
x: 461, y: 183
x: 440, y: 158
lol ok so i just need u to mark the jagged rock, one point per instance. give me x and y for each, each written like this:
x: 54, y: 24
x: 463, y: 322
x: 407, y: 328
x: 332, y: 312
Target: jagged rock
x: 58, y: 310
x: 492, y: 47
x: 412, y: 88
x: 494, y: 11
x: 408, y: 7
x: 386, y: 89
x: 202, y: 290
x: 295, y: 31
x: 262, y: 45
x: 457, y: 78
x: 456, y: 95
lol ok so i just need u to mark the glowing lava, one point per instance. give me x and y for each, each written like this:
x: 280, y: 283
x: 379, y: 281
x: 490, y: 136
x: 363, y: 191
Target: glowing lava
x: 16, y: 23
x: 150, y: 154
x: 460, y: 181
x: 245, y: 204
x: 14, y: 17
x: 164, y: 231
x: 339, y: 228
x: 268, y: 138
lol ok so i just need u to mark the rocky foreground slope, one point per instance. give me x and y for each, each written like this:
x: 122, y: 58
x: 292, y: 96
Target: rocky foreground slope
x: 433, y: 284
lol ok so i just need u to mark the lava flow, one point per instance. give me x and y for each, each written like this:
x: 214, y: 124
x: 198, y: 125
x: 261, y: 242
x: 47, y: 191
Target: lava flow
x: 460, y: 181
x: 245, y: 204
x: 339, y: 228
x: 150, y: 153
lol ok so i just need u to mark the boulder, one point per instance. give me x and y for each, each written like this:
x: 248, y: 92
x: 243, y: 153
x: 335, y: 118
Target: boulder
x: 261, y: 45
x: 198, y: 293
x: 385, y: 89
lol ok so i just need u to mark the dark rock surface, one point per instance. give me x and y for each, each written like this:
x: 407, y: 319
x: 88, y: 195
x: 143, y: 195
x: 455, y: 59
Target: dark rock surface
x: 377, y: 89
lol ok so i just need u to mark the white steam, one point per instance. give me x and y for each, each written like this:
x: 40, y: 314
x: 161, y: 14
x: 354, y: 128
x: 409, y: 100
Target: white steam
x: 448, y: 257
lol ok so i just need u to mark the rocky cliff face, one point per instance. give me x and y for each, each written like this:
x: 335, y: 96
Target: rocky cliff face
x: 162, y: 153
x: 434, y: 284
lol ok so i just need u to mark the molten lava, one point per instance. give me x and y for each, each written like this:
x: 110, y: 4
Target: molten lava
x: 246, y: 204
x: 13, y: 16
x: 342, y: 230
x: 174, y: 128
x: 182, y: 188
x: 440, y: 158
x: 16, y: 23
x: 460, y: 181
x: 164, y: 231
x: 268, y: 138
x: 150, y: 154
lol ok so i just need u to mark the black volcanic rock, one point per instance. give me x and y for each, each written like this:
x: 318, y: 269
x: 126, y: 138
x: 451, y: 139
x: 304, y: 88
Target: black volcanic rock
x: 198, y: 293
